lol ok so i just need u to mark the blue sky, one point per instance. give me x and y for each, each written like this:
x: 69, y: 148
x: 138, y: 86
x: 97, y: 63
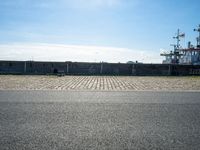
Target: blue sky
x: 141, y: 26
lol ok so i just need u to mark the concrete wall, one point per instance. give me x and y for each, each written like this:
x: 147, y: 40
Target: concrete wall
x: 11, y: 67
x: 79, y: 68
x: 151, y: 69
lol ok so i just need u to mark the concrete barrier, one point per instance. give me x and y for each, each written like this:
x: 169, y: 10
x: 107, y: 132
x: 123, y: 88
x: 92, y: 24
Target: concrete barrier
x: 84, y: 68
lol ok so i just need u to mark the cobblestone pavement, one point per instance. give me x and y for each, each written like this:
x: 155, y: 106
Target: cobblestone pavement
x: 98, y: 83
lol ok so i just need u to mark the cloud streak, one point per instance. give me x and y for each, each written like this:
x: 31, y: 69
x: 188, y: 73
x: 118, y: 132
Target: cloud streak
x: 101, y: 2
x: 94, y: 4
x: 78, y: 53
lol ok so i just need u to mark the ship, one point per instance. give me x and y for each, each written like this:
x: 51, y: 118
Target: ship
x: 180, y: 55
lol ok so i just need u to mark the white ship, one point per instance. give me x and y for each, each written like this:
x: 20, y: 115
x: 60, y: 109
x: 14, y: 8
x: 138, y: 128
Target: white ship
x: 189, y: 55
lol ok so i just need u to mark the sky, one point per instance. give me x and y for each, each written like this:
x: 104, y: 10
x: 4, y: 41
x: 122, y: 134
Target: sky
x: 94, y: 30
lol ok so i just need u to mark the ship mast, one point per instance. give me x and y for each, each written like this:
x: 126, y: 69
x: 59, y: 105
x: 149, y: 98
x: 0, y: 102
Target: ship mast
x: 198, y: 38
x: 177, y: 47
x: 177, y: 37
x: 189, y: 55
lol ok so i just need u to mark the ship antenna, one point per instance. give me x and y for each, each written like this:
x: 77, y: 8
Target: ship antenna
x: 179, y: 35
x: 198, y: 38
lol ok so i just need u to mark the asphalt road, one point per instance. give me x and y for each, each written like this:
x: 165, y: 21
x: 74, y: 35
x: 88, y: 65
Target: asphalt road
x: 99, y: 120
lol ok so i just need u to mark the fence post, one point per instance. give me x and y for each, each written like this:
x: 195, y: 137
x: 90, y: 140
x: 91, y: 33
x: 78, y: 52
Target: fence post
x: 101, y: 71
x: 24, y: 66
x: 169, y: 70
x: 133, y: 70
x: 67, y: 68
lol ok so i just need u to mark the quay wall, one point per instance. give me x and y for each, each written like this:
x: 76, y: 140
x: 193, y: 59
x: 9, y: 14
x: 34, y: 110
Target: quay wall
x: 86, y: 68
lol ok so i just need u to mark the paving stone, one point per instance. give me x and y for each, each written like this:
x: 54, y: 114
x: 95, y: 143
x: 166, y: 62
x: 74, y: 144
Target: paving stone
x: 98, y: 83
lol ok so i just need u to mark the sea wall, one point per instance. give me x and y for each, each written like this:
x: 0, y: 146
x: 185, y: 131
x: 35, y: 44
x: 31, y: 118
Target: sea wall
x: 82, y: 68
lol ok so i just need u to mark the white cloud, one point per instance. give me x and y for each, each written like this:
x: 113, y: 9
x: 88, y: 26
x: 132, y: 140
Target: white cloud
x: 79, y: 53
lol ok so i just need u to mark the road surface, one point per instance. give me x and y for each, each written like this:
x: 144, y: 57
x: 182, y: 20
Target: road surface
x: 99, y: 120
